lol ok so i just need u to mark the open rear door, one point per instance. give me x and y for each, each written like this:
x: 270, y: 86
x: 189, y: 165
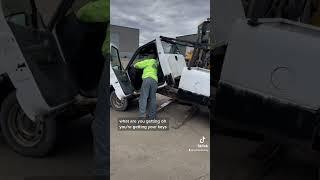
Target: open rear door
x: 118, y: 77
x: 34, y: 61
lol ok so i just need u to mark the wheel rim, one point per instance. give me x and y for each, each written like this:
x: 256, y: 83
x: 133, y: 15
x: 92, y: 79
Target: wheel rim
x: 24, y: 131
x: 117, y: 102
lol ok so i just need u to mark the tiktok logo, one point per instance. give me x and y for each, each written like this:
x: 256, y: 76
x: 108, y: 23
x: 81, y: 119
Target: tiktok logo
x: 201, y: 147
x: 202, y: 140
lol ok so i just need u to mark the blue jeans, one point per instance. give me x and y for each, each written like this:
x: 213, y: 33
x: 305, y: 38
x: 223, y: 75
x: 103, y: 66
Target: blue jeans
x: 148, y: 91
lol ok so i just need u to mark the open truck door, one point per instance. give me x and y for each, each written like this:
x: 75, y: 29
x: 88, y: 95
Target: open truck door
x: 173, y: 74
x: 126, y: 82
x: 49, y: 65
x: 40, y: 63
x: 39, y: 73
x: 120, y: 85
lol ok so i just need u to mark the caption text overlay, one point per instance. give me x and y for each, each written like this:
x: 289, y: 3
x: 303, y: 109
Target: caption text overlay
x: 136, y: 124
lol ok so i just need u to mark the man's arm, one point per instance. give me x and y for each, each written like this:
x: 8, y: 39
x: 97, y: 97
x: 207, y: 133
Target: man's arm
x: 142, y: 64
x: 97, y: 11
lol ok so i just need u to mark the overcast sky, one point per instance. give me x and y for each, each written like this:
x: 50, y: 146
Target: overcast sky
x: 160, y: 17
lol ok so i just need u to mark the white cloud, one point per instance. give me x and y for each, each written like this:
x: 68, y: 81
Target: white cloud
x: 160, y: 17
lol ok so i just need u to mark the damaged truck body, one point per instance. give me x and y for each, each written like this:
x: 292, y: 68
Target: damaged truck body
x: 265, y: 70
x: 175, y: 78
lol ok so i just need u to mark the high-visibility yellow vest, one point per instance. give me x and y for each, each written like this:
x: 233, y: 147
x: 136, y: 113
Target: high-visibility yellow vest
x: 97, y: 11
x: 150, y: 68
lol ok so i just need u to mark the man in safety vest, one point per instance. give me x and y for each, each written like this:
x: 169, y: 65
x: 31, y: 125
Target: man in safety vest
x: 149, y: 86
x: 99, y: 11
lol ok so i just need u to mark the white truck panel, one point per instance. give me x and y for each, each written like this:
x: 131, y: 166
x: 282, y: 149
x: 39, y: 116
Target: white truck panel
x: 170, y: 63
x: 28, y: 93
x: 176, y: 63
x: 195, y: 80
x: 114, y: 82
x: 162, y: 56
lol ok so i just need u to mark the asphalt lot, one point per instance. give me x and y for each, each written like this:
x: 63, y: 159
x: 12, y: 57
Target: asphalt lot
x: 231, y: 160
x: 72, y: 156
x: 162, y: 155
x: 154, y: 155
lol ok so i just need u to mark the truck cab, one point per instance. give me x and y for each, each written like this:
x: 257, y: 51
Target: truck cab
x: 173, y: 74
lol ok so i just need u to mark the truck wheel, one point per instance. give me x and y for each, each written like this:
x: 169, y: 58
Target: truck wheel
x: 117, y: 104
x: 23, y: 135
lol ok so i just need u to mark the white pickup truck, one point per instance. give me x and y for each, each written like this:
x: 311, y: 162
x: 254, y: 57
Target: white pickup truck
x: 176, y: 80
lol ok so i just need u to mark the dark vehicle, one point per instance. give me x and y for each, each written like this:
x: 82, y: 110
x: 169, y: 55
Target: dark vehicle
x: 265, y: 64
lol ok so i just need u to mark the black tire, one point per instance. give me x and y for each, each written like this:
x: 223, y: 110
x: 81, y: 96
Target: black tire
x: 117, y: 104
x: 24, y: 136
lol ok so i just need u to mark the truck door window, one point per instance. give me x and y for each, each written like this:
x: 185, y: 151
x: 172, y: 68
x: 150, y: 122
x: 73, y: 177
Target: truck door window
x: 19, y: 19
x: 16, y: 11
x: 115, y: 59
x: 170, y: 48
x: 145, y: 52
x: 23, y: 13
